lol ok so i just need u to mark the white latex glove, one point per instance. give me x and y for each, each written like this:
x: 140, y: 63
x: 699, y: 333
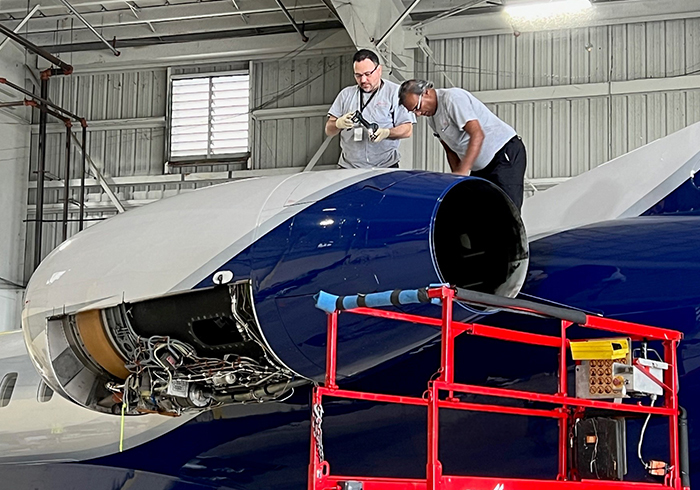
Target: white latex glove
x: 380, y: 134
x: 345, y: 122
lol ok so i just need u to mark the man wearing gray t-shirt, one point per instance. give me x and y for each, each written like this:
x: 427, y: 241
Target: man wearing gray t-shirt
x: 475, y: 140
x: 377, y: 101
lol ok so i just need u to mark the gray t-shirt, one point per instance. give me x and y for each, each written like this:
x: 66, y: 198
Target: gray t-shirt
x: 385, y: 110
x: 455, y: 108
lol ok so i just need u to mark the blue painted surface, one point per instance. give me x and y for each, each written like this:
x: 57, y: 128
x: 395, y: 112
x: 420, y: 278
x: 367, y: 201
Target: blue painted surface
x: 642, y: 269
x: 370, y: 237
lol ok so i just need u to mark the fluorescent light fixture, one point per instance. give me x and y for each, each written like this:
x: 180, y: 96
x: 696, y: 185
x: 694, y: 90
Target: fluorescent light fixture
x: 546, y: 9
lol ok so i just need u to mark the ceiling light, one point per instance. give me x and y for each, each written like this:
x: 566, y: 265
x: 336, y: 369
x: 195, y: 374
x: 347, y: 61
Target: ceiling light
x: 545, y: 9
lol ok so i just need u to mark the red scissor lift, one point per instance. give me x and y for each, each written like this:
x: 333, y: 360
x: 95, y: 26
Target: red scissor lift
x: 566, y: 410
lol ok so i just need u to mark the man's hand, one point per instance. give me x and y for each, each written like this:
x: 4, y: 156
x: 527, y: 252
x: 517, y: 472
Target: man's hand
x: 380, y: 134
x: 476, y: 140
x: 345, y: 122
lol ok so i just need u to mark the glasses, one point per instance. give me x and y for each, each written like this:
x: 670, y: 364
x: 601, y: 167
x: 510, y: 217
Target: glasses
x: 417, y: 107
x: 365, y: 74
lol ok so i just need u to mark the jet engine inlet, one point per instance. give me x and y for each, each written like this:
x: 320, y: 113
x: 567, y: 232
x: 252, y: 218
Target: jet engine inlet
x: 479, y: 240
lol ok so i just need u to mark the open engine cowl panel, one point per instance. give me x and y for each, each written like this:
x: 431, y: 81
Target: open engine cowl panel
x: 191, y: 350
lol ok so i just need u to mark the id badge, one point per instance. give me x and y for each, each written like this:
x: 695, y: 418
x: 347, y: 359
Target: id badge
x: 357, y: 134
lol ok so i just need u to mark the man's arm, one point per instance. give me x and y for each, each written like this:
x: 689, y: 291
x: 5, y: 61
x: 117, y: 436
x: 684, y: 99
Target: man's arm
x: 452, y: 157
x: 401, y: 131
x: 476, y: 140
x: 331, y: 128
x: 338, y: 106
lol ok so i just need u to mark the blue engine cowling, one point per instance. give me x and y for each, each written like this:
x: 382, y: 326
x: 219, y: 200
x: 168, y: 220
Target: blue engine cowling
x: 388, y: 232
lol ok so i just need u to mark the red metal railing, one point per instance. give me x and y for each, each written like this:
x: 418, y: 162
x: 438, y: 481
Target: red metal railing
x: 566, y: 411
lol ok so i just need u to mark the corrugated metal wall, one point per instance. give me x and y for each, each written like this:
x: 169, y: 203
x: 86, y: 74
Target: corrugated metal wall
x: 566, y: 135
x: 104, y: 99
x: 291, y: 141
x: 126, y: 113
x: 126, y: 117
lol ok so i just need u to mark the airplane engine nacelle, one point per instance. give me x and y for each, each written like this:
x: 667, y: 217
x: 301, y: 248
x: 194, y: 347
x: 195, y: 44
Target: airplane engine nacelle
x: 206, y: 298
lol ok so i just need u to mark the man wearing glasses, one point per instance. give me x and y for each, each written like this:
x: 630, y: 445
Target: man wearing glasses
x: 377, y: 101
x: 475, y: 140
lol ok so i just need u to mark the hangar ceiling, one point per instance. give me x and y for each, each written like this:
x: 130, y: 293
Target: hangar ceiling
x: 146, y: 22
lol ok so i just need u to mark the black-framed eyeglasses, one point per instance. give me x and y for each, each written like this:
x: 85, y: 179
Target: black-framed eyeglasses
x: 417, y: 107
x: 365, y: 74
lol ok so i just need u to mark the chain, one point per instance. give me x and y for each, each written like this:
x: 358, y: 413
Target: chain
x: 318, y: 431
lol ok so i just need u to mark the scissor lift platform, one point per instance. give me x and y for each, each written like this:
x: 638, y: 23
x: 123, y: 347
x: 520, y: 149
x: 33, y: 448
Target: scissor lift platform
x: 440, y: 394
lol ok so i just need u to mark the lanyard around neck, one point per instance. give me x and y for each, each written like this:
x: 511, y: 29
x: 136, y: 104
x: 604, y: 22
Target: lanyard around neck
x: 362, y: 106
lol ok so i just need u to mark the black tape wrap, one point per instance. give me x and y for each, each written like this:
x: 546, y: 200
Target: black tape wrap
x: 395, y: 297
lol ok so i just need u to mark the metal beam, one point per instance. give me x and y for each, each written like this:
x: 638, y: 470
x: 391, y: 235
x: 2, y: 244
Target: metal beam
x: 56, y: 11
x: 67, y: 69
x: 57, y: 208
x: 40, y: 177
x: 132, y: 8
x: 21, y: 7
x: 291, y: 20
x: 16, y: 103
x: 11, y: 283
x: 21, y: 24
x: 83, y: 150
x: 220, y: 29
x: 323, y: 43
x: 103, y: 183
x: 290, y: 112
x: 111, y: 124
x: 66, y: 183
x: 449, y: 13
x: 590, y: 90
x: 397, y: 23
x: 153, y: 180
x: 331, y: 7
x: 167, y: 14
x: 89, y: 26
x: 41, y: 100
x: 243, y: 17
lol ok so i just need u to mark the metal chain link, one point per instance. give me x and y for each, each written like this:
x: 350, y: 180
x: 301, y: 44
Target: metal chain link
x: 318, y: 431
